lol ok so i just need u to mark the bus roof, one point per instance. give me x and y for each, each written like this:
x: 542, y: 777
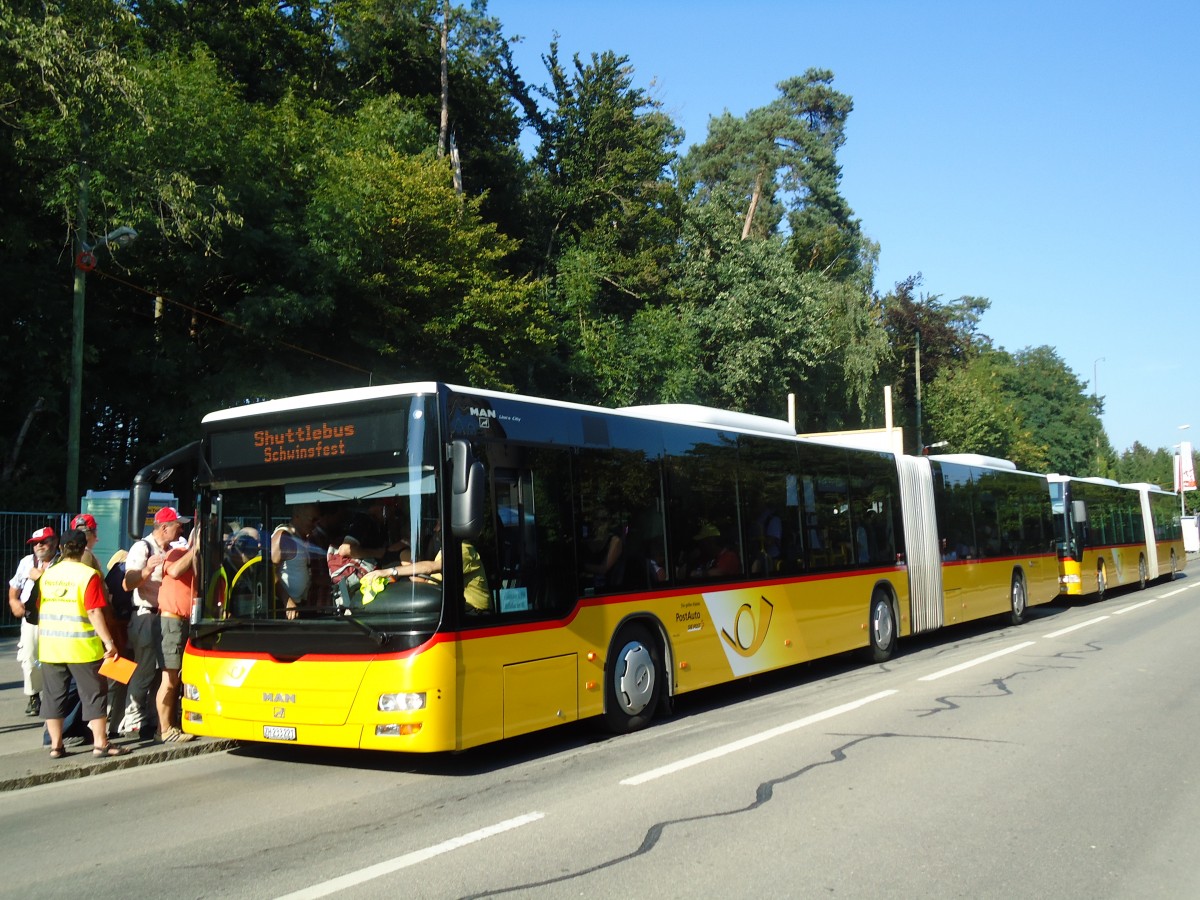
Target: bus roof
x: 691, y: 414
x: 319, y: 399
x: 678, y: 413
x: 976, y: 459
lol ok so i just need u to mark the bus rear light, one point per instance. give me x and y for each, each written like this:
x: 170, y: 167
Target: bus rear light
x: 403, y: 702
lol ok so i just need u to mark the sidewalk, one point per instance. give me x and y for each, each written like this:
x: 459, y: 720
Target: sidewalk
x: 24, y: 762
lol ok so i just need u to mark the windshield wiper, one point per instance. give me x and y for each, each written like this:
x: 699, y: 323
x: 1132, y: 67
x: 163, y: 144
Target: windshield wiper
x: 217, y: 628
x: 379, y: 637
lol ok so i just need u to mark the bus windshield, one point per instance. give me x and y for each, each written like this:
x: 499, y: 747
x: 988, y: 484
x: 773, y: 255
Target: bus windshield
x: 298, y: 557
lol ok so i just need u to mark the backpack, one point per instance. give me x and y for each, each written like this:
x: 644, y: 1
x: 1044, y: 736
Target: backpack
x: 121, y: 599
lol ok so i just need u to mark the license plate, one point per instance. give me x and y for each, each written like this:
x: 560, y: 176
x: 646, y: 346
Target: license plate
x: 278, y: 733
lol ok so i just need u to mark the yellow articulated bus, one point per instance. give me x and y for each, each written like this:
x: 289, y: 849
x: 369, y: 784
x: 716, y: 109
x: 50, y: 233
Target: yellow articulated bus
x: 1111, y: 535
x: 425, y: 567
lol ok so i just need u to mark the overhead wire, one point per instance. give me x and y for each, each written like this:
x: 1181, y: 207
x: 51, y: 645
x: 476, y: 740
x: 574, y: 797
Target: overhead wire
x: 223, y: 321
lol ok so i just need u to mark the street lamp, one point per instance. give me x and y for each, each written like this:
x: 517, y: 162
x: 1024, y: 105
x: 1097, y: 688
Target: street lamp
x: 1179, y: 469
x: 85, y: 261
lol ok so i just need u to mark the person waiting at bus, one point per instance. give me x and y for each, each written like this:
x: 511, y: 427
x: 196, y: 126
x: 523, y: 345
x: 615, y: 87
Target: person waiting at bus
x: 74, y: 641
x: 476, y: 593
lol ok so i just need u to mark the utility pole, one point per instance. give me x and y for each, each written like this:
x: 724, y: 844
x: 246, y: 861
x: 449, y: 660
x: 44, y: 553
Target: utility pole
x: 920, y: 440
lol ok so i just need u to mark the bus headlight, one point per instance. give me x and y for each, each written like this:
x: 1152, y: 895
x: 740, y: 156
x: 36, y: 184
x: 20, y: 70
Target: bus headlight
x: 406, y: 702
x: 190, y: 692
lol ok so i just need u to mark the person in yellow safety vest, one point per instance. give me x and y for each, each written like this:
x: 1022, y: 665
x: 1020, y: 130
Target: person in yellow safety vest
x: 74, y: 640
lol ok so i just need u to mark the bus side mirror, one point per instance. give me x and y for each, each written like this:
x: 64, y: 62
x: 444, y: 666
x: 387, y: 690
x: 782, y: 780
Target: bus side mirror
x: 466, y: 492
x: 139, y: 501
x: 1079, y: 511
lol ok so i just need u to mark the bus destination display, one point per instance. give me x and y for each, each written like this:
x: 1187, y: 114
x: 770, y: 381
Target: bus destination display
x: 334, y: 440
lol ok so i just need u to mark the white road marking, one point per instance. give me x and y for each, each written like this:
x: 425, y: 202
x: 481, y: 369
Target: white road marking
x: 1182, y: 589
x: 1121, y: 612
x: 325, y: 888
x: 975, y: 662
x: 753, y: 739
x: 1071, y: 628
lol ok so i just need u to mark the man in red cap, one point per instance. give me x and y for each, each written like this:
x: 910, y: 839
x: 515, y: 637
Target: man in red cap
x: 44, y: 543
x: 143, y: 576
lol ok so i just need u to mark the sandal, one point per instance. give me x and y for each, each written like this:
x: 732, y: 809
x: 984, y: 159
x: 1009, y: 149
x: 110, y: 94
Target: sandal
x: 58, y: 752
x: 109, y: 750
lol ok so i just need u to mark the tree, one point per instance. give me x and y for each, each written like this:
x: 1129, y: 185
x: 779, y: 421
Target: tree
x: 945, y: 334
x: 1027, y: 407
x: 1053, y: 404
x: 782, y: 159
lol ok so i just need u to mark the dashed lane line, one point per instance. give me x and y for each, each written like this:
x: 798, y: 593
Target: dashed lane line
x: 752, y: 740
x: 341, y: 883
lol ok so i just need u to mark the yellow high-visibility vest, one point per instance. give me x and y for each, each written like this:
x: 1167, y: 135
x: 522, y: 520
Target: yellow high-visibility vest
x: 65, y: 633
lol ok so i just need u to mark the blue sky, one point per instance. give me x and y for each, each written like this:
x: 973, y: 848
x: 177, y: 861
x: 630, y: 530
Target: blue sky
x: 1042, y: 155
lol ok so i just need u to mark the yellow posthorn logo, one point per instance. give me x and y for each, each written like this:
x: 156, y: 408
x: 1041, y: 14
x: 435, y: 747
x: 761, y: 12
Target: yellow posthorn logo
x: 750, y: 627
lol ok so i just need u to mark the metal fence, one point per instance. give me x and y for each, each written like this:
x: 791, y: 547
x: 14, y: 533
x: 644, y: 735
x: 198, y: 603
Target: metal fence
x: 15, y: 530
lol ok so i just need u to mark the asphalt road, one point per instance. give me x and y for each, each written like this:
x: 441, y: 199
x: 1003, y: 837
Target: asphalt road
x: 1055, y: 759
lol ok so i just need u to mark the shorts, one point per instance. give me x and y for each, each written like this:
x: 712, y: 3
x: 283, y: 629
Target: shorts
x: 56, y: 682
x: 174, y: 639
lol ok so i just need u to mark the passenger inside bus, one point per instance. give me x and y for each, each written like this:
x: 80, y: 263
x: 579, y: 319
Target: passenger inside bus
x: 605, y: 545
x: 293, y: 557
x: 714, y: 556
x: 477, y: 595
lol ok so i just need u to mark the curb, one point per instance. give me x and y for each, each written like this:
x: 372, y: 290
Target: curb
x: 90, y: 765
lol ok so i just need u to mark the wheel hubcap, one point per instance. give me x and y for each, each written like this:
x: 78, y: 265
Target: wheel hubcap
x: 634, y: 678
x: 882, y: 626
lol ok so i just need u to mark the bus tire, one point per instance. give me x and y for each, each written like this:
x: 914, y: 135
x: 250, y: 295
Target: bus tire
x: 1141, y: 573
x: 882, y: 627
x: 1018, y: 599
x: 1101, y: 581
x: 634, y: 682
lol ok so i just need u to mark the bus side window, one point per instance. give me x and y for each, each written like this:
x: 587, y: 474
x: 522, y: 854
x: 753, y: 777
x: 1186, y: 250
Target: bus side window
x: 525, y: 544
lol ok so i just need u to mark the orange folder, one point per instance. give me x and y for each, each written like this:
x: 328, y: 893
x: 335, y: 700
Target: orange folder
x: 119, y: 669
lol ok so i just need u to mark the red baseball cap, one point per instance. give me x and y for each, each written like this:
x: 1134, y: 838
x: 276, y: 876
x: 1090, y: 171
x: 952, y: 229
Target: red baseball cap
x: 83, y: 520
x: 42, y: 534
x: 170, y: 514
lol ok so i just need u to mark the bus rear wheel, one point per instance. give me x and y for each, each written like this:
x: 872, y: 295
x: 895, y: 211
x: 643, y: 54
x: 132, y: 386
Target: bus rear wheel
x: 882, y: 628
x: 634, y: 684
x: 1019, y: 602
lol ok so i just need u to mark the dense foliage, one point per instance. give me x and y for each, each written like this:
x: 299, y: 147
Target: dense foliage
x: 318, y: 207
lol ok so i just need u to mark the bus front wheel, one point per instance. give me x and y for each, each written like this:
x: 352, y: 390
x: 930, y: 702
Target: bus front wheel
x: 882, y: 628
x: 1019, y: 605
x: 635, y: 680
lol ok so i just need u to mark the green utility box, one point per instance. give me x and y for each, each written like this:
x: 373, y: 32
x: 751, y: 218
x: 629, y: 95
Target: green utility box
x: 110, y: 509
